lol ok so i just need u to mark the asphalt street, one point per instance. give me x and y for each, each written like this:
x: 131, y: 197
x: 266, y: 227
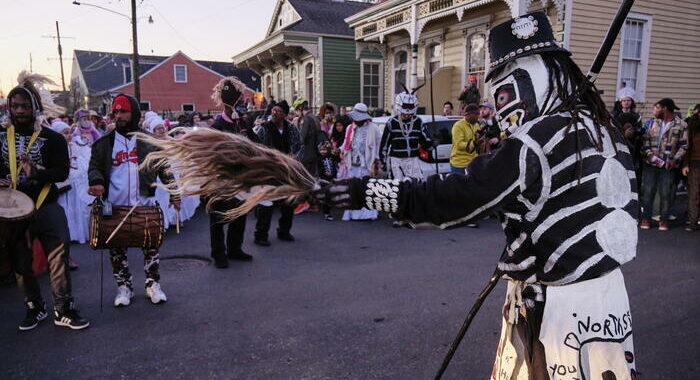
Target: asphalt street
x: 347, y: 300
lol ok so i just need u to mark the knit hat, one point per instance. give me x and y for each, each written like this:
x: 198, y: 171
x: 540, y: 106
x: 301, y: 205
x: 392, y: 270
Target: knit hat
x: 152, y: 123
x: 300, y: 102
x: 121, y: 102
x: 148, y: 115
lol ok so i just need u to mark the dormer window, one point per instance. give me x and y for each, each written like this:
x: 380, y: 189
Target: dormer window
x: 126, y: 71
x: 286, y: 15
x: 180, y: 73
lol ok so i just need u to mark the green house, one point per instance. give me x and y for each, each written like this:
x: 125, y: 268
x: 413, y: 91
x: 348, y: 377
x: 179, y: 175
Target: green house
x: 310, y: 51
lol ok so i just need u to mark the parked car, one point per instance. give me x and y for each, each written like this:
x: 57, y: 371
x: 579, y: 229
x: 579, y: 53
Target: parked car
x: 441, y: 131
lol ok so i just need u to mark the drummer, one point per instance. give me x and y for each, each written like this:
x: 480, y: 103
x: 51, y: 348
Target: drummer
x: 114, y: 175
x: 38, y: 158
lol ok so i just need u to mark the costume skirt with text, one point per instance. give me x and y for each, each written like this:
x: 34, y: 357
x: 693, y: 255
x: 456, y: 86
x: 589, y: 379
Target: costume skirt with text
x: 586, y: 333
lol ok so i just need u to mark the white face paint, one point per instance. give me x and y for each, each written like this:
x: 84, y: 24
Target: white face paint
x: 520, y: 92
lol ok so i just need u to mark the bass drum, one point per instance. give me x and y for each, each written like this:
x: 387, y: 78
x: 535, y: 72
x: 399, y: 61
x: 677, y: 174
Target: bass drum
x: 143, y: 228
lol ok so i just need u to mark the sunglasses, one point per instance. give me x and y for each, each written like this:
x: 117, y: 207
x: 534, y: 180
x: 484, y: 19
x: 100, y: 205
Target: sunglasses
x: 408, y: 106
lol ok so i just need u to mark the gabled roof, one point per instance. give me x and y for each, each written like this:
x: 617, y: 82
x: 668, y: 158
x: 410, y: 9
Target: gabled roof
x: 103, y: 71
x: 321, y: 16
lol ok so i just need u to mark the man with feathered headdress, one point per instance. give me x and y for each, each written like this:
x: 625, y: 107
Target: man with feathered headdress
x: 34, y: 158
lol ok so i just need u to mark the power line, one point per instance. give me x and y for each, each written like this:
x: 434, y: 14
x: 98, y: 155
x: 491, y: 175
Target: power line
x: 177, y: 32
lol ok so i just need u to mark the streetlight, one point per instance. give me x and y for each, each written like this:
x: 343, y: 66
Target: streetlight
x: 135, y: 58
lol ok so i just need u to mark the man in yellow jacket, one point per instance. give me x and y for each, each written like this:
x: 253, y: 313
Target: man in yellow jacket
x: 465, y: 139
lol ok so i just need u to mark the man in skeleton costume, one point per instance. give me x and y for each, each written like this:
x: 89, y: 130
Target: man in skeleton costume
x: 402, y: 136
x: 33, y: 159
x: 563, y: 184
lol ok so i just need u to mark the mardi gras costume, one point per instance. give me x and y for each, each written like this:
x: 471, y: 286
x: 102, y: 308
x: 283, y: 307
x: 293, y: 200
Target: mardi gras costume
x: 564, y: 187
x: 34, y: 158
x: 402, y: 139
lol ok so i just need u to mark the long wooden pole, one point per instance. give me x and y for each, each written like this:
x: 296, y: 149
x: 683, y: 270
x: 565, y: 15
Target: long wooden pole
x: 135, y: 58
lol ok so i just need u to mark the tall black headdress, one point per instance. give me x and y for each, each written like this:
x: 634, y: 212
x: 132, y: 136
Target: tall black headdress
x: 523, y: 36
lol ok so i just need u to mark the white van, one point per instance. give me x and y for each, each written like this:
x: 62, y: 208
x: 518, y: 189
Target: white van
x: 441, y: 131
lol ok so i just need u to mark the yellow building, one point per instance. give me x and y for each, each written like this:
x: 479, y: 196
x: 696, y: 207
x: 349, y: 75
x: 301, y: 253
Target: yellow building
x: 656, y: 53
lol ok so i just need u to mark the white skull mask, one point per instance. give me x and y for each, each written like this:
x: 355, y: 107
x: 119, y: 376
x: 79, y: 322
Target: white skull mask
x: 522, y: 92
x: 406, y: 103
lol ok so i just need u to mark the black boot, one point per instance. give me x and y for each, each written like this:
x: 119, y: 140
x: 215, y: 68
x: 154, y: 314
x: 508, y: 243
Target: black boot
x: 285, y: 236
x: 239, y: 255
x: 220, y: 262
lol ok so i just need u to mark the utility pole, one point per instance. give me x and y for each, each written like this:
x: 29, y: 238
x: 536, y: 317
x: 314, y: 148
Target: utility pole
x: 60, y: 53
x: 31, y: 64
x: 135, y: 57
x: 136, y: 73
x: 60, y: 56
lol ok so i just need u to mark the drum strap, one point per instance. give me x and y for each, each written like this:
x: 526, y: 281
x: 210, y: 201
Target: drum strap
x: 14, y: 168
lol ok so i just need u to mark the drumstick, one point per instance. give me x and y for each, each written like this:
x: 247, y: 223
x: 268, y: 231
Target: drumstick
x: 122, y: 222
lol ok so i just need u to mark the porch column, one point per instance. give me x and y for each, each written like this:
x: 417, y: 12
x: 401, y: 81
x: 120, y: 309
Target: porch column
x: 414, y: 67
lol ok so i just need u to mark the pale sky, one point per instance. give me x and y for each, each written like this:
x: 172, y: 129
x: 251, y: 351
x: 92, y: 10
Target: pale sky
x: 212, y: 30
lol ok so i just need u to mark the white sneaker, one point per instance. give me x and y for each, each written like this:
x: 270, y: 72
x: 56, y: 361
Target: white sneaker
x: 124, y: 296
x: 155, y: 293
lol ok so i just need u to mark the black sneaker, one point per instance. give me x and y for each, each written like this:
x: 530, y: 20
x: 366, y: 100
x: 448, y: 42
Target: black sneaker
x: 36, y: 312
x: 262, y: 242
x: 240, y: 255
x: 285, y: 236
x: 70, y: 318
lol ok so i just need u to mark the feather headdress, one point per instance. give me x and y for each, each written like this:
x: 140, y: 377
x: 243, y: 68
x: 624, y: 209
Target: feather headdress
x: 43, y: 104
x: 223, y: 166
x: 227, y: 91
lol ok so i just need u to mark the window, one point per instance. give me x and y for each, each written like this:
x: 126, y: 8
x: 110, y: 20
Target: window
x: 476, y: 60
x: 434, y: 57
x: 309, y: 69
x: 295, y: 83
x: 634, y: 54
x: 127, y: 72
x: 180, y: 73
x: 145, y: 106
x: 187, y: 107
x: 268, y: 86
x: 400, y: 71
x: 371, y: 76
x: 279, y: 87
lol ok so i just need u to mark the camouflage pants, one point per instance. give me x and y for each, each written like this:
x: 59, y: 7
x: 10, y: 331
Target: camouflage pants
x: 120, y: 266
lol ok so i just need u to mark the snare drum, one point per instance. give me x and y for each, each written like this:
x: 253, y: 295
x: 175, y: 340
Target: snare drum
x: 143, y: 228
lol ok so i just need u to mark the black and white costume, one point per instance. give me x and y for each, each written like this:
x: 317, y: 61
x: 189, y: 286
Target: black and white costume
x: 401, y: 140
x: 565, y: 190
